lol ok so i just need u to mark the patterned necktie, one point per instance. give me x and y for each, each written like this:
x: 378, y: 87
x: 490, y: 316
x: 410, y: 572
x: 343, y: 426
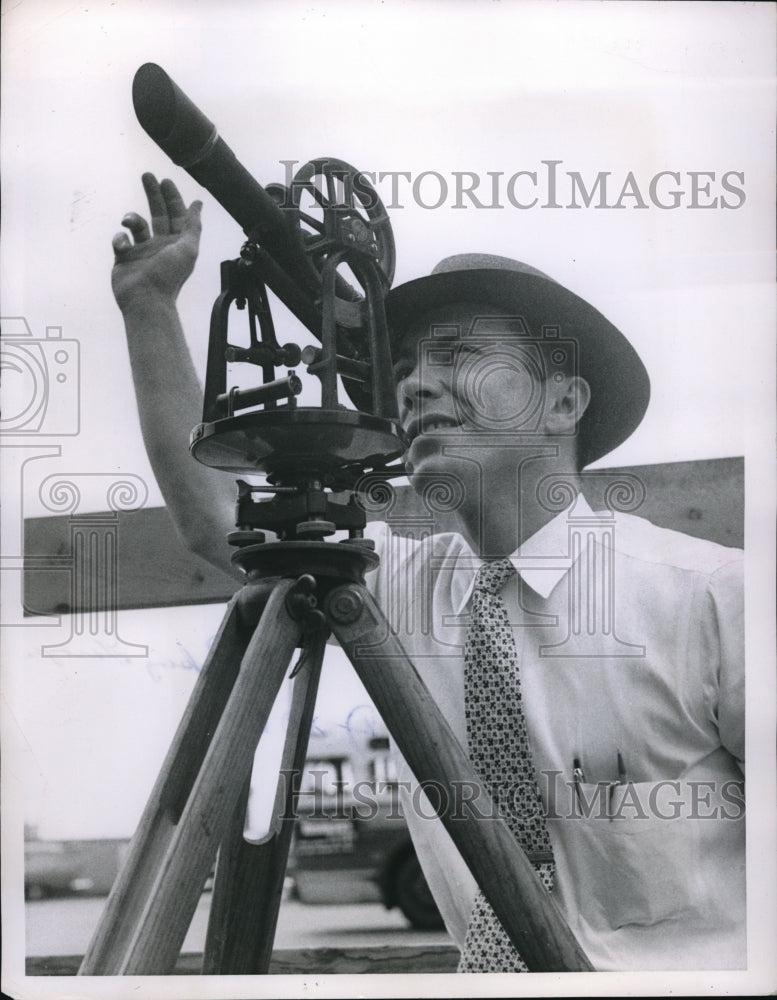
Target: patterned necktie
x: 500, y: 753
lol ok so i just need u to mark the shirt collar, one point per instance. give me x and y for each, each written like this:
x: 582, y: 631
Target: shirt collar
x: 543, y: 559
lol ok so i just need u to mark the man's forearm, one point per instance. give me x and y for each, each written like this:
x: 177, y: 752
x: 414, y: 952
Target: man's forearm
x: 169, y: 398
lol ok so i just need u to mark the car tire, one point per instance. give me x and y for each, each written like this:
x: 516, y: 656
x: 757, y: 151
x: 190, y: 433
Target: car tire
x: 413, y: 896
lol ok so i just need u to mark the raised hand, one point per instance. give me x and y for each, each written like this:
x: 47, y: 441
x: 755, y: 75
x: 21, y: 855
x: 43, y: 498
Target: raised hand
x: 162, y: 256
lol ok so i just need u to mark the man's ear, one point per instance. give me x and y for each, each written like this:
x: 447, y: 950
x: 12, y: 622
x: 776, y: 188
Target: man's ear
x: 568, y: 402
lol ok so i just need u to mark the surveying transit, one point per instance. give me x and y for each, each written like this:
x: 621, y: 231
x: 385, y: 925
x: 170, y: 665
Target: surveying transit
x: 300, y: 587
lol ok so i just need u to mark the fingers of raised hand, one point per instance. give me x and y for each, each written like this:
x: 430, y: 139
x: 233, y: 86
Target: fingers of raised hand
x: 168, y: 212
x: 125, y: 249
x: 138, y: 226
x: 176, y: 210
x: 157, y: 205
x: 171, y: 223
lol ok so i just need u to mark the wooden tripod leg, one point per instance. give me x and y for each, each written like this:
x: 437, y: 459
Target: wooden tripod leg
x: 212, y: 802
x: 180, y: 872
x: 250, y: 877
x: 434, y: 755
x: 124, y: 908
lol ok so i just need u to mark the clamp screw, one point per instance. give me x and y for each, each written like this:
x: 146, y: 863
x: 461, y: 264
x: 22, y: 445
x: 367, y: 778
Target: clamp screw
x: 346, y: 605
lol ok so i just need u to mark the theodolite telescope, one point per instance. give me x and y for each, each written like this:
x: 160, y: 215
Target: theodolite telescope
x: 292, y: 249
x: 306, y: 254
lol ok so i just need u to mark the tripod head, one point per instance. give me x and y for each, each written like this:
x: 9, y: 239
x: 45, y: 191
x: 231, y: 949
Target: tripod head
x: 325, y: 248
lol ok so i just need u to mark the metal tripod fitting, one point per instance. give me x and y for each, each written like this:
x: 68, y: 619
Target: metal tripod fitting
x: 301, y: 599
x: 302, y: 605
x: 346, y: 605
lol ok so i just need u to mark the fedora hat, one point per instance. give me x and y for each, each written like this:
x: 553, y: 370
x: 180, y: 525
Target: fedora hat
x: 620, y: 386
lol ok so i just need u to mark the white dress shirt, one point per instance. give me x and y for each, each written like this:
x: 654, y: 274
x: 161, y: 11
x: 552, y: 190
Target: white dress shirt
x: 630, y: 642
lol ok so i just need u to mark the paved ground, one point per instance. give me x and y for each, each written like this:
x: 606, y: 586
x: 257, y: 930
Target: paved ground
x: 64, y: 926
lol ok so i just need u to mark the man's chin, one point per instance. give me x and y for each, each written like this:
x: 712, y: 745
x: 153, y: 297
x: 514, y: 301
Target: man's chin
x: 425, y: 453
x: 426, y: 462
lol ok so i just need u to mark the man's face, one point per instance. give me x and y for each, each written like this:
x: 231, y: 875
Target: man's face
x: 466, y: 380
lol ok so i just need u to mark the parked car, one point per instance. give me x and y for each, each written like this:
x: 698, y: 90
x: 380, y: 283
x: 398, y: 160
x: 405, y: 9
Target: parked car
x: 351, y: 841
x: 71, y: 867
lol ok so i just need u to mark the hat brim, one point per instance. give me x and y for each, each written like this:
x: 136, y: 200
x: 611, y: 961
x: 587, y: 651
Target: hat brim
x: 620, y: 385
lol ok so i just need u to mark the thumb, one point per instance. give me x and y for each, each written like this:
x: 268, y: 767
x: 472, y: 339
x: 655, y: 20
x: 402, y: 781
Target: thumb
x: 120, y: 243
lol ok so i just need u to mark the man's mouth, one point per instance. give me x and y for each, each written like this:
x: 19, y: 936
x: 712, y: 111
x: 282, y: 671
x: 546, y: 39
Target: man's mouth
x: 429, y: 424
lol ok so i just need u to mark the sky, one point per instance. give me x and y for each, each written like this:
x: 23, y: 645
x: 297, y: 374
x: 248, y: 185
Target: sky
x: 429, y: 90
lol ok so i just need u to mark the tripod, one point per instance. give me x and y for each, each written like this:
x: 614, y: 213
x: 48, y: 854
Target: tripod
x: 197, y: 806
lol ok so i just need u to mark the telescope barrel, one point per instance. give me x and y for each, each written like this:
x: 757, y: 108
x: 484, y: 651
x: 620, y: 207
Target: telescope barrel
x: 285, y: 257
x: 282, y: 388
x: 191, y: 141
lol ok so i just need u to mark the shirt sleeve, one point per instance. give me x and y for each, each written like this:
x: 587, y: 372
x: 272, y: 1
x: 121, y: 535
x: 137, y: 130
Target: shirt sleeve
x: 446, y: 873
x: 377, y: 532
x: 724, y: 626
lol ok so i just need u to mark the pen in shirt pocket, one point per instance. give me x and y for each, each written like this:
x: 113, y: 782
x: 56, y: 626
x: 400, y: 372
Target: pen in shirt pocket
x: 622, y: 780
x: 577, y: 777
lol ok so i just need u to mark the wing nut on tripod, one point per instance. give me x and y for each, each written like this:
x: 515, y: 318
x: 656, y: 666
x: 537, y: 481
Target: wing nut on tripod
x: 301, y: 600
x: 302, y: 604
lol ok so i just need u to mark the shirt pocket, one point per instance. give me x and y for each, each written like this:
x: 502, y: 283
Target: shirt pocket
x: 630, y: 861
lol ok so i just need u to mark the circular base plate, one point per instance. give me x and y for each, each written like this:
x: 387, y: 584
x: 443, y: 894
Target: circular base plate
x: 301, y: 440
x: 337, y: 560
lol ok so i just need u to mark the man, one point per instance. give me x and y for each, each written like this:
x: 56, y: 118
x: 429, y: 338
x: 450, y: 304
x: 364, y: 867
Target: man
x: 591, y: 662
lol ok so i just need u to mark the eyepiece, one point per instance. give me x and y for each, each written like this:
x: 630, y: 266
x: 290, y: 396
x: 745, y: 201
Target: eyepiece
x: 182, y: 131
x: 174, y: 122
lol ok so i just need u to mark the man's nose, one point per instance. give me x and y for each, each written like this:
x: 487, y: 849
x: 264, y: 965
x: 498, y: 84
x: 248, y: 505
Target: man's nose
x: 418, y: 386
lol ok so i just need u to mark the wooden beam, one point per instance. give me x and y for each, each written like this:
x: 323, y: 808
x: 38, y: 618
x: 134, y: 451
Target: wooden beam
x: 153, y: 569
x: 705, y: 499
x: 287, y: 962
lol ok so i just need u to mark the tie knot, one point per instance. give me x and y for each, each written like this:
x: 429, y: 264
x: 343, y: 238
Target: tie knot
x: 492, y: 576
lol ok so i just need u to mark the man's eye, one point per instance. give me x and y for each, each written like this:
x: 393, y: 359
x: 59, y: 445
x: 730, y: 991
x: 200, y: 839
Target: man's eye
x: 402, y: 369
